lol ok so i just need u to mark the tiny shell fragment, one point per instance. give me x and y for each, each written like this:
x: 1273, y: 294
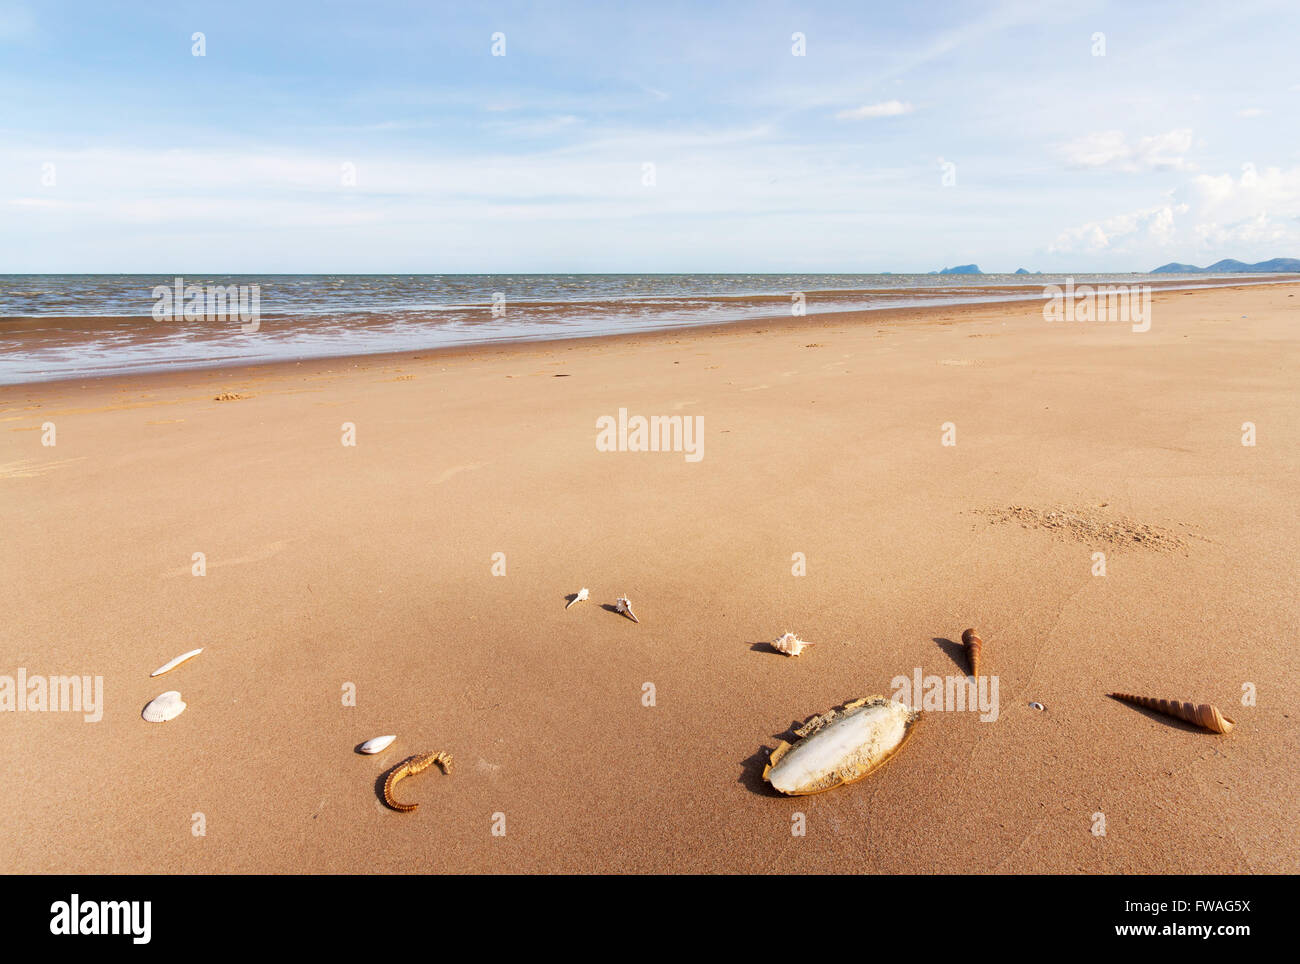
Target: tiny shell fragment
x: 168, y: 667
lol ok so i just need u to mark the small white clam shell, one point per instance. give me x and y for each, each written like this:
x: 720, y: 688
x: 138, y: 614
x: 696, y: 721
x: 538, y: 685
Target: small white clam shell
x: 378, y: 744
x: 168, y: 667
x: 1037, y: 706
x: 164, y: 707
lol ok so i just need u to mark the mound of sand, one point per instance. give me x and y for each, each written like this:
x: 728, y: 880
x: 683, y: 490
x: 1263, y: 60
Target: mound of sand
x: 1090, y: 525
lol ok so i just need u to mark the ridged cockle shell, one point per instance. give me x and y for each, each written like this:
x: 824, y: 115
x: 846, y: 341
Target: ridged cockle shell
x: 164, y: 707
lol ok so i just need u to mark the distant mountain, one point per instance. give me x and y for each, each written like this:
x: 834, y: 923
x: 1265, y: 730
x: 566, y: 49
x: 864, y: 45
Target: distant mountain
x: 1022, y: 271
x: 1228, y: 265
x: 963, y: 269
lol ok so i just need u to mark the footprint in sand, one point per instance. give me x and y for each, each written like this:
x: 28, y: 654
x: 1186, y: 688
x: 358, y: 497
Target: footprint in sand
x: 257, y: 555
x: 30, y: 468
x: 446, y: 474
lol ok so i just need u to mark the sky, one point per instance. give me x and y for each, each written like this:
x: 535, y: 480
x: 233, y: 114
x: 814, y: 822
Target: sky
x: 375, y: 137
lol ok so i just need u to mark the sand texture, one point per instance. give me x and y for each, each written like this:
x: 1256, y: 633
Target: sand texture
x: 332, y: 568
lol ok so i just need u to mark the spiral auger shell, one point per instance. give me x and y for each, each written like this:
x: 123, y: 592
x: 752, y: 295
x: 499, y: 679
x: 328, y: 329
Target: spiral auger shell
x: 1198, y: 714
x: 974, y: 646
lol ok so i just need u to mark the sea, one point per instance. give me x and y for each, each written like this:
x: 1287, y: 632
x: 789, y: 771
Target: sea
x: 59, y: 326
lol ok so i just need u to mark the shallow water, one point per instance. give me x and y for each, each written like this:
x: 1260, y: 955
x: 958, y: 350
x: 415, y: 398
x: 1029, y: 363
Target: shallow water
x: 63, y: 326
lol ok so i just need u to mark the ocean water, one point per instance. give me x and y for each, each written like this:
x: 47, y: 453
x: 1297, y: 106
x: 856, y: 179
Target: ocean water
x: 66, y: 326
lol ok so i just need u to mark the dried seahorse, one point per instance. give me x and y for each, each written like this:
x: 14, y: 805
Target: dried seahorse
x: 1203, y: 715
x: 412, y: 765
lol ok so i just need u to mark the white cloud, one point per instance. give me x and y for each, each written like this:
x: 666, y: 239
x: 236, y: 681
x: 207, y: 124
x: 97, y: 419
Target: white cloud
x: 536, y: 127
x: 1213, y: 216
x: 1156, y: 225
x: 727, y: 171
x: 886, y: 108
x: 1252, y: 112
x: 1253, y: 207
x: 1111, y: 149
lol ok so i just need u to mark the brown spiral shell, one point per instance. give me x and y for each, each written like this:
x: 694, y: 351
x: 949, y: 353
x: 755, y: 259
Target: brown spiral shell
x: 1203, y: 714
x: 973, y: 647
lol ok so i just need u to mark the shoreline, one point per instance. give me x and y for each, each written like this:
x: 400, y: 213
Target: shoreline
x: 885, y: 315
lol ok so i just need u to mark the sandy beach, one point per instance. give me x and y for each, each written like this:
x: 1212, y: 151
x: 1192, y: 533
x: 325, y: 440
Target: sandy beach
x: 373, y: 568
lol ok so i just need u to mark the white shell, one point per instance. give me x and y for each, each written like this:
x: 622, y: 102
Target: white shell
x: 166, y: 706
x: 168, y: 667
x: 845, y: 749
x: 790, y: 644
x: 378, y: 744
x: 1037, y: 706
x: 580, y: 597
x: 624, y: 605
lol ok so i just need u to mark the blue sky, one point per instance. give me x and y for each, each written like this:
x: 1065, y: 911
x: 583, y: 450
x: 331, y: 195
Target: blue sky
x: 121, y: 151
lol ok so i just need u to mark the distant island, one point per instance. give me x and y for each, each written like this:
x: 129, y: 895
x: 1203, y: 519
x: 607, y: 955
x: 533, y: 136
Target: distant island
x: 975, y: 269
x: 1230, y: 264
x: 1276, y: 265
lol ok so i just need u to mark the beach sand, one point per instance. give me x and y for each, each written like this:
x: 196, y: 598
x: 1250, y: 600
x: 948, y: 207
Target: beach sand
x: 372, y: 566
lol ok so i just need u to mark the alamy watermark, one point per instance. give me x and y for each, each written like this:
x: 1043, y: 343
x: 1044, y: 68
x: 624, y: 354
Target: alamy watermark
x: 209, y: 303
x: 53, y: 694
x: 658, y: 433
x: 948, y: 693
x: 1128, y: 304
x: 131, y: 918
